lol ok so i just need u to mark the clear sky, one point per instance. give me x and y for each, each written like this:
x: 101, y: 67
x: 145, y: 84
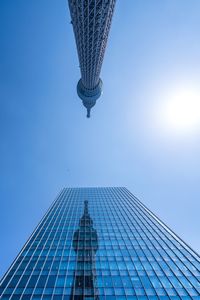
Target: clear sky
x: 144, y: 132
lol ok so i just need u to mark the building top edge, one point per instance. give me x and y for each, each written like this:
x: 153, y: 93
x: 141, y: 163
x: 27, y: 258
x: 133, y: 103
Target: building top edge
x: 95, y: 187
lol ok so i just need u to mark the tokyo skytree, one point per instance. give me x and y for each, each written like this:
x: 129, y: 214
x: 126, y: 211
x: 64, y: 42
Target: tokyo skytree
x: 91, y: 20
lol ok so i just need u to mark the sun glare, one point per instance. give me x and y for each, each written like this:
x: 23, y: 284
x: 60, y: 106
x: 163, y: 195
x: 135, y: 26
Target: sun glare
x: 181, y: 110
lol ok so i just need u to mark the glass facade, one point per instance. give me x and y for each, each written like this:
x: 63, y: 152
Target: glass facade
x: 102, y: 243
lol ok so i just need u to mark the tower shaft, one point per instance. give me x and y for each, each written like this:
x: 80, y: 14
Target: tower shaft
x: 91, y: 20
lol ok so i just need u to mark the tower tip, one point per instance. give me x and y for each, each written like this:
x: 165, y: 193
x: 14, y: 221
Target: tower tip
x: 88, y: 112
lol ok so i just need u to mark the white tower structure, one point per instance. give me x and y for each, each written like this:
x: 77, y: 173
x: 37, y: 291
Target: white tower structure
x: 91, y: 20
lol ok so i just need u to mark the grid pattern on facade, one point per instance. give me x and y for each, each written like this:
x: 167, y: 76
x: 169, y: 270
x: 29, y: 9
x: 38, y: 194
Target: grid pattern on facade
x: 102, y: 243
x: 91, y: 21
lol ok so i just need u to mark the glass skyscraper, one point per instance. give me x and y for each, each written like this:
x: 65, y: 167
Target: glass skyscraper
x: 102, y: 243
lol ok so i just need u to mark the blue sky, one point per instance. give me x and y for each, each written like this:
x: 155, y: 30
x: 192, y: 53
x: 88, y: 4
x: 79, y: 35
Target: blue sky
x: 48, y: 143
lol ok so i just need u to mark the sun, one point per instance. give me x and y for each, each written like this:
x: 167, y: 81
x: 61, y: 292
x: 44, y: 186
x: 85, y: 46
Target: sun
x: 181, y: 110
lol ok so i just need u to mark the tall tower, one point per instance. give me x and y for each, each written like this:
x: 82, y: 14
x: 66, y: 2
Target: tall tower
x: 91, y: 20
x: 85, y: 244
x: 110, y: 247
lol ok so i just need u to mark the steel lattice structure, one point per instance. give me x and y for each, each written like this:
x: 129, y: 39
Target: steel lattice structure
x: 91, y: 20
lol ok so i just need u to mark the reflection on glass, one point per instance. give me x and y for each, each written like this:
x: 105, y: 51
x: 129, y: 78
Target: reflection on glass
x: 85, y: 244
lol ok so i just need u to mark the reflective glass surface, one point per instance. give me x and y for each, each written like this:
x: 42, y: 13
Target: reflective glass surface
x: 102, y: 243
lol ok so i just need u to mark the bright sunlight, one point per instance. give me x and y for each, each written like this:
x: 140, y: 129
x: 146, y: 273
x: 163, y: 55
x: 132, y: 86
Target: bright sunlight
x: 180, y: 110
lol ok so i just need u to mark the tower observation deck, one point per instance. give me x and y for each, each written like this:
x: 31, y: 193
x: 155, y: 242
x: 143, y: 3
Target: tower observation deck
x: 91, y: 20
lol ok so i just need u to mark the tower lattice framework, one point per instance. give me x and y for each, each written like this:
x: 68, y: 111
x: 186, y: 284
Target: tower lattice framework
x: 91, y: 20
